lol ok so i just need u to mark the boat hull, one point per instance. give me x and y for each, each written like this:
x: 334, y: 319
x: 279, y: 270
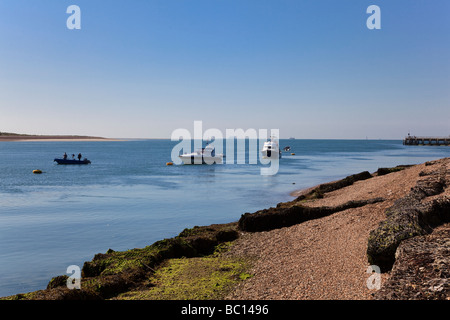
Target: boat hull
x: 69, y: 161
x: 270, y: 154
x: 200, y: 160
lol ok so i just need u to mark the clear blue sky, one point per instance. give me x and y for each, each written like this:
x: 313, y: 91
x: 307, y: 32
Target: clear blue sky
x: 143, y: 68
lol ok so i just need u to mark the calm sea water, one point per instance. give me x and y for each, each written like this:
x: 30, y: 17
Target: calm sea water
x: 128, y: 197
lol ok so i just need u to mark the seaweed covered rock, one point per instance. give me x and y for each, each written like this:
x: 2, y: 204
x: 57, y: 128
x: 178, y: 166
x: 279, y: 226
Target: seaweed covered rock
x: 279, y: 217
x: 204, y: 239
x: 320, y: 190
x: 59, y: 281
x: 409, y: 217
x: 383, y: 171
x: 291, y: 213
x: 114, y: 272
x: 402, y: 223
x: 421, y: 269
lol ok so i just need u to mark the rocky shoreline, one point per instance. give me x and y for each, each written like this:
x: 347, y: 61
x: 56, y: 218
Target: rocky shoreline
x: 407, y: 237
x: 416, y: 214
x: 396, y: 218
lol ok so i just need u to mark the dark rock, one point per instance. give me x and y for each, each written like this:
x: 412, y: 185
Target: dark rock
x: 409, y: 217
x: 205, y: 239
x: 318, y: 192
x: 421, y: 269
x: 94, y: 267
x: 203, y: 245
x: 384, y: 171
x: 332, y: 186
x: 274, y: 218
x: 111, y: 285
x: 227, y: 235
x: 58, y: 281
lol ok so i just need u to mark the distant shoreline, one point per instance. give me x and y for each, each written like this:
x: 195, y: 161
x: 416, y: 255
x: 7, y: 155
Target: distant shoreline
x: 30, y: 138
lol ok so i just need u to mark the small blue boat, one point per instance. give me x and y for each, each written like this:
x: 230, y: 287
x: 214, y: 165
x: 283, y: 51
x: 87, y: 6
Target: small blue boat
x: 72, y: 161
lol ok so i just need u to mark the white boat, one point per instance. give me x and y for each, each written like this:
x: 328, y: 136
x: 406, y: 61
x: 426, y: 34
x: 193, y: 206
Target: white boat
x: 205, y: 155
x: 271, y: 149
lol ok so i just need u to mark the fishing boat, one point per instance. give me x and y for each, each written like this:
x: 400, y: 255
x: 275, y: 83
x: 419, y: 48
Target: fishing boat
x: 205, y: 155
x: 72, y: 161
x: 271, y: 149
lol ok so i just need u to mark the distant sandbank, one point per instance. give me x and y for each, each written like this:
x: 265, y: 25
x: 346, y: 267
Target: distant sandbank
x: 52, y: 138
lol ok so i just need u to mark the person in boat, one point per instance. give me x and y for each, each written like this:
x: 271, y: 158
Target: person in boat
x: 73, y: 156
x: 79, y: 157
x: 65, y: 156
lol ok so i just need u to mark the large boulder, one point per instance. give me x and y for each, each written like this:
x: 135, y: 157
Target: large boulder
x: 421, y: 270
x: 409, y: 217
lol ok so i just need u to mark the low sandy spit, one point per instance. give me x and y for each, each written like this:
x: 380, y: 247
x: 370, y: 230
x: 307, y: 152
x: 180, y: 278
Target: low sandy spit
x: 30, y: 138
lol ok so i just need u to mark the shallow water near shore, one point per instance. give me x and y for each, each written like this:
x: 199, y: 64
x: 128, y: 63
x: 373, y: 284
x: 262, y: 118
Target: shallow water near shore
x: 128, y: 197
